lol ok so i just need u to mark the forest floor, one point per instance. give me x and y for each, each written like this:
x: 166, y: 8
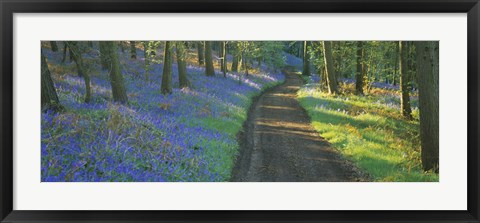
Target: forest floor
x: 278, y: 142
x: 189, y: 135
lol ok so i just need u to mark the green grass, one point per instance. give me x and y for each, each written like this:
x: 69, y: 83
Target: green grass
x: 370, y: 131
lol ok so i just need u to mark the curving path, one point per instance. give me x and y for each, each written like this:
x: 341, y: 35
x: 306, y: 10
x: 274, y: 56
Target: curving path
x: 278, y: 144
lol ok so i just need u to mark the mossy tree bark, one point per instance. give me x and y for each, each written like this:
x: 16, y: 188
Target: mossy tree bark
x: 404, y: 80
x: 330, y: 70
x: 182, y: 64
x: 209, y: 70
x: 427, y: 78
x: 166, y: 87
x: 306, y: 59
x: 77, y: 58
x: 360, y: 72
x: 49, y: 94
x: 119, y: 92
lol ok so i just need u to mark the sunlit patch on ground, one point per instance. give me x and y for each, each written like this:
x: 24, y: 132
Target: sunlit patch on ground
x: 369, y: 130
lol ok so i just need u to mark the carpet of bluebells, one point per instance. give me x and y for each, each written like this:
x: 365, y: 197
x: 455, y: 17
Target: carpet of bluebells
x: 189, y: 135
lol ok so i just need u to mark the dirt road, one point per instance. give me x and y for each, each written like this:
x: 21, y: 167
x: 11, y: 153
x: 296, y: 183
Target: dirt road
x: 278, y: 144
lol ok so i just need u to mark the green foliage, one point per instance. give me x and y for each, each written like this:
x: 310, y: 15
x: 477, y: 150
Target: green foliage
x: 270, y: 52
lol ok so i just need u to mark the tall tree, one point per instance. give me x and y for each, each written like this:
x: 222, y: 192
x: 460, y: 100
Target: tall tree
x: 209, y: 70
x: 116, y: 79
x: 237, y: 57
x: 54, y: 46
x: 166, y: 87
x: 65, y: 50
x: 103, y: 57
x: 75, y: 52
x: 133, y: 50
x: 223, y: 57
x: 182, y: 64
x: 330, y: 70
x: 428, y: 96
x: 306, y: 59
x: 49, y: 94
x: 395, y: 66
x: 201, y: 52
x: 360, y: 73
x: 405, y: 80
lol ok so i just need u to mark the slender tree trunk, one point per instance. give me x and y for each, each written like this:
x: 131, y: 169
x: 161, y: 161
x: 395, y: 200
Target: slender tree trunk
x: 116, y: 79
x: 146, y: 61
x: 395, y: 68
x: 54, y: 46
x: 327, y: 51
x: 306, y: 59
x: 223, y: 59
x: 70, y: 58
x: 103, y: 56
x: 167, y: 69
x: 404, y: 80
x: 360, y: 69
x: 201, y: 52
x: 182, y: 64
x: 209, y: 70
x: 428, y: 85
x: 245, y: 64
x: 237, y: 57
x: 65, y: 49
x: 49, y: 94
x: 133, y: 50
x: 77, y: 58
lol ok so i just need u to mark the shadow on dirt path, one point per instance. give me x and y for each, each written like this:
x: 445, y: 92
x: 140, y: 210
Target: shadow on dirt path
x: 278, y: 144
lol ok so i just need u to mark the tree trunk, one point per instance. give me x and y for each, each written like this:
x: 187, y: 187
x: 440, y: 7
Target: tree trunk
x: 427, y: 76
x: 237, y: 58
x: 201, y: 52
x: 306, y: 59
x: 182, y: 64
x: 49, y: 94
x: 103, y: 56
x: 332, y: 83
x: 360, y: 69
x: 146, y: 61
x: 245, y: 64
x: 65, y: 49
x: 395, y: 68
x: 404, y: 80
x: 54, y: 46
x: 116, y: 79
x: 133, y: 50
x: 77, y: 58
x: 209, y: 70
x: 167, y: 69
x: 223, y: 58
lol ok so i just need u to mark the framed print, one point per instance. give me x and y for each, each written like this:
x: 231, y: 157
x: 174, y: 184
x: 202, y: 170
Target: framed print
x: 200, y: 111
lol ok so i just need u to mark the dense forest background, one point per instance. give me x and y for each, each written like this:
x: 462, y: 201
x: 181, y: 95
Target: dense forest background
x: 172, y: 110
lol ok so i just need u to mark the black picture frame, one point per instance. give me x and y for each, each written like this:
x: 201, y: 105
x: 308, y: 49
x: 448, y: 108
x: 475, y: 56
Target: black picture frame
x: 9, y: 7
